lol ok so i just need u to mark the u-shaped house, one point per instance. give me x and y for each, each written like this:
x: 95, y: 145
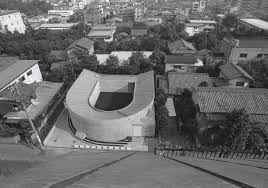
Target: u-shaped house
x: 109, y: 108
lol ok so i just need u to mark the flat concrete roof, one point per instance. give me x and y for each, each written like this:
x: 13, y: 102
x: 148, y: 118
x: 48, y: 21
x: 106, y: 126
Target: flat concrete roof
x: 77, y: 98
x: 203, y: 21
x: 257, y: 23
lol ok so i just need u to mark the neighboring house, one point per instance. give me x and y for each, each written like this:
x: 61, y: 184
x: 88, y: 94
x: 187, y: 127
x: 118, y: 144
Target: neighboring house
x: 56, y: 26
x: 58, y: 58
x: 256, y: 24
x: 198, y: 26
x: 62, y: 13
x: 244, y: 49
x: 214, y: 103
x: 13, y: 70
x: 11, y: 20
x: 82, y: 45
x: 38, y: 98
x: 181, y: 63
x: 235, y: 75
x: 175, y: 83
x: 181, y: 47
x: 139, y: 29
x: 105, y: 33
x: 123, y: 56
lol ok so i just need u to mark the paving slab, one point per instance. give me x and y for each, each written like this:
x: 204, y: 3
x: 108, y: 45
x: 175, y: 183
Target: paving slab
x: 61, y: 168
x: 146, y: 170
x: 250, y: 175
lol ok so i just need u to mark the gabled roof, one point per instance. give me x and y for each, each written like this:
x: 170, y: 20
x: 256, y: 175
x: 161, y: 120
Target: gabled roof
x: 179, y: 59
x: 83, y: 43
x: 181, y: 46
x: 177, y: 82
x: 16, y: 68
x: 224, y: 100
x: 232, y: 71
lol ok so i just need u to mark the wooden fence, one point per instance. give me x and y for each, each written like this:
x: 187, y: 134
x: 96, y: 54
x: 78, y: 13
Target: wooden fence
x: 177, y: 150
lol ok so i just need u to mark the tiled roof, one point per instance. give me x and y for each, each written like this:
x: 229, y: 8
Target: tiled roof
x: 232, y: 71
x: 83, y: 43
x: 14, y: 70
x: 225, y: 100
x: 179, y: 59
x: 181, y: 46
x: 179, y: 81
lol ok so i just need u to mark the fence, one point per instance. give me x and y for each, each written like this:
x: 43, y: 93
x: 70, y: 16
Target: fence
x: 177, y: 150
x: 52, y: 113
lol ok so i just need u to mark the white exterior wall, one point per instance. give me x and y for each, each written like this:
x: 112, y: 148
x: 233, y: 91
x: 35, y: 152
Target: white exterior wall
x: 35, y: 77
x: 113, y: 130
x: 251, y: 53
x: 13, y: 22
x: 62, y: 13
x: 193, y: 30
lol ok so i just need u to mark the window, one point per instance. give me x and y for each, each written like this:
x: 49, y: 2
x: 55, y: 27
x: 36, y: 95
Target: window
x: 22, y: 79
x: 239, y: 83
x: 243, y: 55
x: 29, y: 73
x: 259, y: 56
x: 177, y: 66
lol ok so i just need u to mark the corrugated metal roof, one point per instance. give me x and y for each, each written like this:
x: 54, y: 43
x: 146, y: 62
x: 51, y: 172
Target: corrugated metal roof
x: 224, y: 100
x: 78, y: 96
x: 44, y: 93
x: 15, y: 70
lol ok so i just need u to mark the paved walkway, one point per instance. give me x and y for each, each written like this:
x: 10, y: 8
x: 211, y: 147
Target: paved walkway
x: 248, y: 174
x: 61, y: 135
x: 59, y: 169
x: 149, y: 171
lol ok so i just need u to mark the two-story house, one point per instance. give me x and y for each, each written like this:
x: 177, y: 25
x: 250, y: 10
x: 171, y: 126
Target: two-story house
x: 244, y: 49
x: 13, y: 70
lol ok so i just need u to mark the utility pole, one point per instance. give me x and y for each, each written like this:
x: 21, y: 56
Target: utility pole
x: 30, y: 120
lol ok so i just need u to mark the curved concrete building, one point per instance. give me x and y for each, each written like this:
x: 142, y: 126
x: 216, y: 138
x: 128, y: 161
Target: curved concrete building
x: 109, y: 108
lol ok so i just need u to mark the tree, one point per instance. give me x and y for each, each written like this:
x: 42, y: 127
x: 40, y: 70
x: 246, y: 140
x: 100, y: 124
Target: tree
x: 160, y: 97
x: 237, y: 129
x: 89, y: 62
x: 230, y: 21
x: 158, y: 59
x: 255, y: 141
x: 112, y: 61
x: 162, y: 117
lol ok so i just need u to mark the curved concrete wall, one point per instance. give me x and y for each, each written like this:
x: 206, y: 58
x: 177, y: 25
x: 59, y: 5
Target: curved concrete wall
x: 113, y: 130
